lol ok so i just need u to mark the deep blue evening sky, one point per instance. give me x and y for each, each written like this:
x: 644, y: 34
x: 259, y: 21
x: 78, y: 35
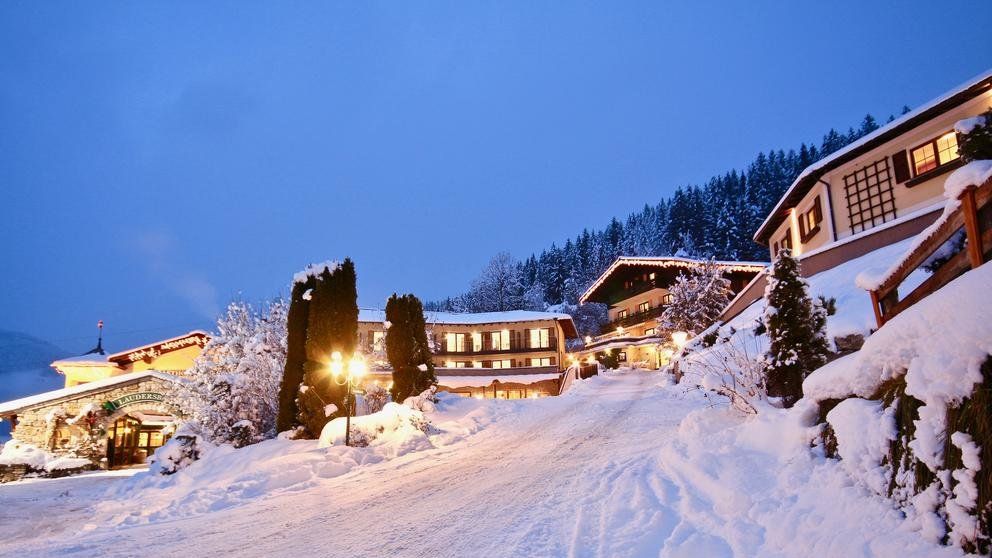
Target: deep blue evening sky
x: 158, y: 159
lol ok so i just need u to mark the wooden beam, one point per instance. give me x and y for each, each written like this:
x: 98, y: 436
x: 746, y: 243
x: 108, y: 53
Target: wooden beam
x: 879, y: 319
x: 970, y: 211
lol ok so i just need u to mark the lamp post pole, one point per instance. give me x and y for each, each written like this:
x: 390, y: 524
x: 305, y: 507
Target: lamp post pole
x: 351, y: 379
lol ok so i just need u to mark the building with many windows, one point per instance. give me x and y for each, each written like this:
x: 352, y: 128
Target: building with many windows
x: 635, y: 290
x: 490, y: 354
x: 883, y: 188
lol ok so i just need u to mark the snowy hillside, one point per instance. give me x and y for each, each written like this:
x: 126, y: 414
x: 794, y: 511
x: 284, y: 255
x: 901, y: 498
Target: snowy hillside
x: 24, y: 368
x: 624, y: 464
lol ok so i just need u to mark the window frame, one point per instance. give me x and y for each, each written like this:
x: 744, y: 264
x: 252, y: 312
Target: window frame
x: 622, y: 313
x: 644, y: 307
x: 936, y: 155
x: 814, y: 214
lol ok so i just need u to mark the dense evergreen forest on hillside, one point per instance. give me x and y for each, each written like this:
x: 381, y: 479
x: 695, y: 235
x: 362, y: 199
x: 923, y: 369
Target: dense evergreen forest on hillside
x: 715, y: 219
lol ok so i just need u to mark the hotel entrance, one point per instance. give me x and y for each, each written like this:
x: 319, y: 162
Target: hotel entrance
x: 135, y: 436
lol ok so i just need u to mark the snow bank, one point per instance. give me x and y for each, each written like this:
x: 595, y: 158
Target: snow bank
x: 226, y: 477
x: 864, y: 431
x: 20, y: 453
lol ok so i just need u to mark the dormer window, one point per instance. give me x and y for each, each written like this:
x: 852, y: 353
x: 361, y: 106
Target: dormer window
x: 935, y: 153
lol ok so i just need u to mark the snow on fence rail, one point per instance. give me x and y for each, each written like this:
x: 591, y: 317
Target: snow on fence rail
x: 943, y: 248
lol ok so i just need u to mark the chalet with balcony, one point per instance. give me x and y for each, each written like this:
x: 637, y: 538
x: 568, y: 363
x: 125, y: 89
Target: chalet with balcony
x: 883, y: 188
x: 506, y: 355
x: 635, y: 289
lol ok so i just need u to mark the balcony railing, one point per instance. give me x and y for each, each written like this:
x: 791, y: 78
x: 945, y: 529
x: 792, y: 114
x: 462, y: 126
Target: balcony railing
x: 636, y: 318
x: 486, y: 349
x: 974, y: 216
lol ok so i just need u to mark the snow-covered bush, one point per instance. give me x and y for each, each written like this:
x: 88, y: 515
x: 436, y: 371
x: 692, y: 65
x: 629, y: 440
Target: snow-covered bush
x: 374, y: 398
x: 729, y: 365
x: 975, y: 137
x: 425, y: 401
x: 395, y: 424
x: 185, y: 447
x: 232, y: 389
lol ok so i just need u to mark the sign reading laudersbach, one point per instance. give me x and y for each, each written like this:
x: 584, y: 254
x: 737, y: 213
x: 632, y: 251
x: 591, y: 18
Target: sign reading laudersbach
x: 131, y: 399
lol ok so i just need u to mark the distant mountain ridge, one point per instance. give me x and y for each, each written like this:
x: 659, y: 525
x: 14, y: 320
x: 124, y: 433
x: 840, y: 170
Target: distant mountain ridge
x: 24, y: 368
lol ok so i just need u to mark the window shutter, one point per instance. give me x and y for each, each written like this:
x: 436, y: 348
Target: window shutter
x: 900, y: 163
x: 817, y: 211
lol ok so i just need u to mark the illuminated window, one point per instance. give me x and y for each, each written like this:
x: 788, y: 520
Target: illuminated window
x: 476, y: 364
x: 545, y: 361
x: 622, y: 314
x: 540, y: 338
x: 454, y: 342
x: 809, y: 222
x: 622, y: 357
x: 476, y: 342
x: 643, y: 307
x: 500, y: 340
x: 377, y: 339
x: 651, y: 276
x: 869, y: 196
x: 649, y: 331
x: 935, y: 153
x: 505, y: 363
x: 666, y: 298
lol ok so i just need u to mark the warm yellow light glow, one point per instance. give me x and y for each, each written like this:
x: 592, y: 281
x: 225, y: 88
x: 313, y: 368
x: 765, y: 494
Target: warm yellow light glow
x: 336, y: 367
x: 533, y: 395
x: 357, y: 367
x: 679, y: 338
x: 588, y: 339
x: 620, y: 330
x: 477, y: 396
x: 389, y: 385
x: 336, y: 356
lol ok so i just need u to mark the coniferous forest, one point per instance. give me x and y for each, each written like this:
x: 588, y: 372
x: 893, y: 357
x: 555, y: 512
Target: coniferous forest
x: 715, y: 219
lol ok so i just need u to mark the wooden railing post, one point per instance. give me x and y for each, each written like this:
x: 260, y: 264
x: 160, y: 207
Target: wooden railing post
x: 879, y: 319
x: 970, y: 211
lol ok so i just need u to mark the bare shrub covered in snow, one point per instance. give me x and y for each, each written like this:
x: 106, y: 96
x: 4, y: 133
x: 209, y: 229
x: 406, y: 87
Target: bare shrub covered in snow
x: 231, y: 391
x: 374, y: 398
x: 179, y: 452
x: 730, y: 366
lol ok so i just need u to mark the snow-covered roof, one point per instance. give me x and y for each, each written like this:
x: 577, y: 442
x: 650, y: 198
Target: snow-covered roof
x: 84, y: 360
x: 32, y: 400
x: 808, y: 177
x: 623, y: 343
x: 370, y: 315
x: 667, y: 261
x: 124, y: 354
x: 484, y: 381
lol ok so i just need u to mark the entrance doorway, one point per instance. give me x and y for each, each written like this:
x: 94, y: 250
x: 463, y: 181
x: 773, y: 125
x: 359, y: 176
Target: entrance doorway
x: 134, y: 437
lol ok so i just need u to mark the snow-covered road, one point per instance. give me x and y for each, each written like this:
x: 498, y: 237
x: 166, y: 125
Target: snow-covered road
x: 615, y: 469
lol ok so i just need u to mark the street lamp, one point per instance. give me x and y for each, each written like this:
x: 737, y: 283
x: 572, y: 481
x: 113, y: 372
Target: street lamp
x: 350, y: 377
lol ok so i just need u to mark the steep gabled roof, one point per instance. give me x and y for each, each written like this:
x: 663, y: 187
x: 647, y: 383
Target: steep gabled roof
x: 664, y: 262
x: 811, y: 174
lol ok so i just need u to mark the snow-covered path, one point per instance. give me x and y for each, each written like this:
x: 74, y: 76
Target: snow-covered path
x: 615, y: 470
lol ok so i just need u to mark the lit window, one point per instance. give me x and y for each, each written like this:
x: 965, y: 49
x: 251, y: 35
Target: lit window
x: 540, y: 338
x: 935, y: 153
x: 377, y: 338
x: 621, y: 314
x: 649, y: 331
x: 622, y: 357
x: 651, y: 276
x: 545, y: 361
x: 643, y: 307
x: 505, y: 363
x: 476, y: 364
x: 809, y: 222
x: 500, y: 340
x: 476, y: 342
x: 454, y: 342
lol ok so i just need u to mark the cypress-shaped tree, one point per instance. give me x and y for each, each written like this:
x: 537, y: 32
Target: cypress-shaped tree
x: 796, y: 327
x: 296, y: 338
x: 407, y: 349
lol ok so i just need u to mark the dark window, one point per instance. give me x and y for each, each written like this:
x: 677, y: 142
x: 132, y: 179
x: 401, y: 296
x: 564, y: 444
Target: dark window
x: 869, y: 196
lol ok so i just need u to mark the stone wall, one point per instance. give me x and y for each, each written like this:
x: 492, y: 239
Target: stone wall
x: 61, y: 427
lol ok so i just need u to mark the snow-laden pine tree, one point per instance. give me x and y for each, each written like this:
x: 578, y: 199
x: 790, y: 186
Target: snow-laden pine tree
x: 406, y: 347
x: 698, y: 297
x: 231, y: 392
x: 796, y: 326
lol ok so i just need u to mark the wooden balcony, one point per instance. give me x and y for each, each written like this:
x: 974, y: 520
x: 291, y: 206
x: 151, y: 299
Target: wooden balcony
x: 972, y: 220
x: 634, y: 319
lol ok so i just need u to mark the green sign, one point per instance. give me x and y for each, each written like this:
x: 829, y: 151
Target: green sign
x: 131, y: 399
